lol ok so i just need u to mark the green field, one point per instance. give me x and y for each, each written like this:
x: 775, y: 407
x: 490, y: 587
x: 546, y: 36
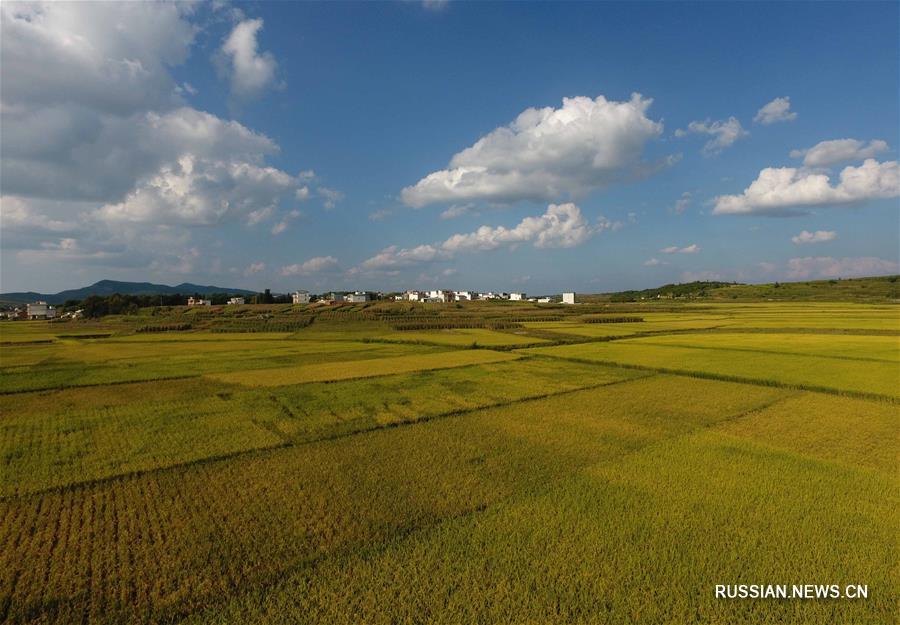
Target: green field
x: 553, y: 471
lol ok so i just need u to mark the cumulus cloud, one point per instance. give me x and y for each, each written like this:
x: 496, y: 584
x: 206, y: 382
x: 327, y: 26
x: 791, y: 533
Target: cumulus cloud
x: 330, y: 196
x: 787, y: 190
x: 828, y: 153
x: 682, y: 203
x: 393, y: 257
x: 99, y: 146
x: 316, y: 264
x: 249, y: 71
x: 562, y: 225
x: 693, y: 248
x: 819, y: 236
x: 778, y: 110
x: 654, y: 262
x: 254, y: 268
x: 828, y: 267
x: 546, y: 154
x: 282, y: 225
x: 724, y: 134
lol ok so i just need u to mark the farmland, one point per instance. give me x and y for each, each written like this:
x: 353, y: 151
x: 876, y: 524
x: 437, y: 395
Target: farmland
x: 387, y: 463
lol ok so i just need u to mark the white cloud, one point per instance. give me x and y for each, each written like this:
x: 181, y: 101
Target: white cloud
x: 682, y: 203
x: 562, y: 225
x: 331, y: 196
x: 724, y: 134
x: 693, y: 248
x: 311, y: 266
x: 282, y: 225
x: 99, y: 147
x: 393, y: 257
x: 109, y: 57
x: 654, y: 262
x: 828, y: 267
x: 819, y: 236
x: 302, y: 194
x: 254, y: 268
x: 17, y: 214
x: 459, y: 210
x: 249, y: 71
x: 202, y: 191
x: 828, y: 153
x: 778, y: 110
x: 435, y: 5
x: 546, y: 154
x: 786, y: 190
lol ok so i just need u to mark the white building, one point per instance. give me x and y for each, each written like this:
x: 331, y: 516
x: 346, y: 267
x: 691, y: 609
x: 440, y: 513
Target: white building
x: 517, y: 297
x: 543, y: 300
x: 300, y: 297
x: 440, y: 295
x: 236, y: 301
x: 41, y: 310
x: 568, y: 298
x: 196, y: 301
x: 358, y: 296
x: 465, y: 295
x: 413, y: 296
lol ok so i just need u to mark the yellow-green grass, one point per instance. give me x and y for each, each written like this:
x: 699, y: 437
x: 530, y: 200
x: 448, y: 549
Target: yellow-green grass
x: 462, y: 337
x: 175, y: 360
x: 54, y: 438
x: 360, y: 369
x: 813, y: 372
x: 320, y: 410
x: 39, y: 451
x: 839, y: 429
x: 643, y: 540
x: 156, y: 546
x: 865, y: 347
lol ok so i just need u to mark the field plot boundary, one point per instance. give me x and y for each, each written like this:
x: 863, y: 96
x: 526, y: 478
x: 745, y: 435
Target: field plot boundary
x: 284, y: 444
x: 765, y: 351
x: 413, y: 530
x: 324, y: 372
x: 730, y: 378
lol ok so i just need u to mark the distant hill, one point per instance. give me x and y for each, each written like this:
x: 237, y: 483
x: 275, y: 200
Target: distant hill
x: 109, y: 287
x: 881, y: 288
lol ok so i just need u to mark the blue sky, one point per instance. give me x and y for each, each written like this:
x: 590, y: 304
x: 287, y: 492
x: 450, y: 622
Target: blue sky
x: 375, y: 145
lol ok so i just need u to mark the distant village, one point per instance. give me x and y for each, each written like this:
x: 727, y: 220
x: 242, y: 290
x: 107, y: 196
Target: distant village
x: 437, y: 296
x: 41, y: 310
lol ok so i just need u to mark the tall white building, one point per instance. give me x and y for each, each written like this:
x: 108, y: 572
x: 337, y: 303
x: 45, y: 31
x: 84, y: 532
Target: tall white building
x: 300, y: 297
x: 568, y: 298
x: 517, y: 297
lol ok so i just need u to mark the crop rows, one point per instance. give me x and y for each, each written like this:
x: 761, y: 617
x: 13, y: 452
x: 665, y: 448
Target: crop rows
x: 151, y: 547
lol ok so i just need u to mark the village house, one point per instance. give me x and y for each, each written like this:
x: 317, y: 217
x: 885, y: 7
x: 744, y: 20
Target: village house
x: 359, y: 296
x: 568, y: 298
x: 465, y: 295
x: 236, y: 301
x: 300, y: 297
x: 517, y: 297
x: 41, y: 310
x: 197, y: 301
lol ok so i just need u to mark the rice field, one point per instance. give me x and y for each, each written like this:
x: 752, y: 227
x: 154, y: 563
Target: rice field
x: 349, y: 473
